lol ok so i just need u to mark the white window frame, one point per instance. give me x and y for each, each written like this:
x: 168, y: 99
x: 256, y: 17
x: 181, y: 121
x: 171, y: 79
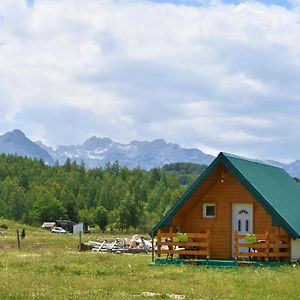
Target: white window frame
x: 205, y: 205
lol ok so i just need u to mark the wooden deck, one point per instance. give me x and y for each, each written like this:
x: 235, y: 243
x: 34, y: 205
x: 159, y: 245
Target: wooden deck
x: 197, y: 245
x: 267, y: 247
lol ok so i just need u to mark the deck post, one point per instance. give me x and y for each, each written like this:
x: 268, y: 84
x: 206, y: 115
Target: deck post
x: 267, y: 245
x: 208, y: 244
x: 277, y: 241
x: 158, y: 242
x: 236, y: 248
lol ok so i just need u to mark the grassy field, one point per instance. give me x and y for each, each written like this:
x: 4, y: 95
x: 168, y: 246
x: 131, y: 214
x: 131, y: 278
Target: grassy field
x: 50, y: 267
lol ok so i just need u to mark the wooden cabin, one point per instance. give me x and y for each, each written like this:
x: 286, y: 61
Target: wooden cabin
x: 238, y: 208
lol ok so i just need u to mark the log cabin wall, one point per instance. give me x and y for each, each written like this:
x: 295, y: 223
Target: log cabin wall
x: 224, y: 194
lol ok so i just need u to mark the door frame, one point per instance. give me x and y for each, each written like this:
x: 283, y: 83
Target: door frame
x: 249, y: 206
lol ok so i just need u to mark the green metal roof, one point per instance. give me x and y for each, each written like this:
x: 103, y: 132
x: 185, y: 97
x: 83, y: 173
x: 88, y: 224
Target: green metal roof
x: 271, y: 186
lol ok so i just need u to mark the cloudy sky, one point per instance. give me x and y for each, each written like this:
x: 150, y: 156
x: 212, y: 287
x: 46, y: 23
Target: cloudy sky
x: 217, y: 76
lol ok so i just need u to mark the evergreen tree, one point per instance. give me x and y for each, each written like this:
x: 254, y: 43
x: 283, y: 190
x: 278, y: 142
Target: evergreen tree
x: 128, y: 212
x: 101, y: 217
x: 12, y: 199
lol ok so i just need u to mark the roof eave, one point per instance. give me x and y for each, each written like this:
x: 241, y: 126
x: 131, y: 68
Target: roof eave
x: 257, y: 195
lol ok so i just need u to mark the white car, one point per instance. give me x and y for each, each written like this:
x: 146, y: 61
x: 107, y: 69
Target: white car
x: 58, y: 230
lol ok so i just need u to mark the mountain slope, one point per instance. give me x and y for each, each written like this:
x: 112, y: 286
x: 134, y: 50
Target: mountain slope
x: 16, y: 142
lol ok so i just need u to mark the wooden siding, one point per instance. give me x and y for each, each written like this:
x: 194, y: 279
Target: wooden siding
x: 224, y: 194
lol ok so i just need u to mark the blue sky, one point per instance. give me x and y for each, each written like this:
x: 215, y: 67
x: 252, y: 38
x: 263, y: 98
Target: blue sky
x: 200, y: 2
x: 213, y: 76
x: 287, y: 4
x: 30, y: 3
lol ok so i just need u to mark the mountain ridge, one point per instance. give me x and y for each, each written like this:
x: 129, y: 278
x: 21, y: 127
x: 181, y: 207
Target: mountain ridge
x: 15, y: 142
x: 97, y: 152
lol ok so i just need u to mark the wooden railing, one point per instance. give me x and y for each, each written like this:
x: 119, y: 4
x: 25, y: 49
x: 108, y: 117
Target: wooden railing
x: 197, y: 245
x: 267, y: 246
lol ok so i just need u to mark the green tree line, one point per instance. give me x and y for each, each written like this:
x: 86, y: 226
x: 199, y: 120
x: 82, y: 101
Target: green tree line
x: 112, y: 197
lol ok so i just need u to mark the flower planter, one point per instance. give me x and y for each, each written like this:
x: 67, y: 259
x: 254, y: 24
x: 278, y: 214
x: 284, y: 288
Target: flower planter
x: 250, y: 238
x: 182, y: 237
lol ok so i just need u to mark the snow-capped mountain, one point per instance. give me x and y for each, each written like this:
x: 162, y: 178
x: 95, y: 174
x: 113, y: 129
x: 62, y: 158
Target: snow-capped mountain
x: 97, y: 152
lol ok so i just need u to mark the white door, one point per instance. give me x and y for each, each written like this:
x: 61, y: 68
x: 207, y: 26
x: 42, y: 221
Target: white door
x: 242, y: 221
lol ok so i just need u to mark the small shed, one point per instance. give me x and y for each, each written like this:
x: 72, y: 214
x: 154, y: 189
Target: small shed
x: 65, y: 224
x: 238, y: 208
x: 80, y: 227
x: 48, y: 225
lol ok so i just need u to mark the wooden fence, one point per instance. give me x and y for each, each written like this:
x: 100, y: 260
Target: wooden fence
x: 197, y: 245
x: 267, y: 246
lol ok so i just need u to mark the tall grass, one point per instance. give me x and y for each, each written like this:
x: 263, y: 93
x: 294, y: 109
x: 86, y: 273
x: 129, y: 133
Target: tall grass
x: 50, y: 267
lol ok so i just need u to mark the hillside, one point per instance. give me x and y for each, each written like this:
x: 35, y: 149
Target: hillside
x: 32, y: 192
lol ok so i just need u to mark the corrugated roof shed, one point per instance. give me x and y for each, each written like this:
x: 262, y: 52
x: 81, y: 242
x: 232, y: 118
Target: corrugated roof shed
x: 48, y: 224
x: 271, y: 186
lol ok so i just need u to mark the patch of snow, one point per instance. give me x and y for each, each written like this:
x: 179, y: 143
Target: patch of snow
x: 91, y: 156
x: 99, y: 150
x: 68, y: 154
x: 125, y: 147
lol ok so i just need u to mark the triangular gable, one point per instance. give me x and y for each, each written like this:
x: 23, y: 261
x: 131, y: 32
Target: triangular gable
x: 271, y: 186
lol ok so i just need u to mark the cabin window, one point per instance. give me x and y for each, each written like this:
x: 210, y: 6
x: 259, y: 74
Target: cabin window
x: 209, y: 210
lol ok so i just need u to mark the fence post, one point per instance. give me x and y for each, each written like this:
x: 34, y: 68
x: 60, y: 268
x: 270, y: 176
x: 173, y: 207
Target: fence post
x: 152, y: 243
x: 79, y: 246
x: 18, y: 239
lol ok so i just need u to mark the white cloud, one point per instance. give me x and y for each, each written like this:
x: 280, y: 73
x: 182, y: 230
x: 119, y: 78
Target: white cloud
x: 225, y: 77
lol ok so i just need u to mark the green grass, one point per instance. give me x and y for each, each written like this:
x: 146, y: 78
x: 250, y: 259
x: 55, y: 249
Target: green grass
x: 50, y: 267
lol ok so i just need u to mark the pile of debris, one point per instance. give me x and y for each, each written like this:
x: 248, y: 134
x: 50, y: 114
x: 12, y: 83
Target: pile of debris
x: 136, y: 244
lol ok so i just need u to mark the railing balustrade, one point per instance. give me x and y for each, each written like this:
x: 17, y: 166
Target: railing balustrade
x: 267, y: 246
x: 197, y: 245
